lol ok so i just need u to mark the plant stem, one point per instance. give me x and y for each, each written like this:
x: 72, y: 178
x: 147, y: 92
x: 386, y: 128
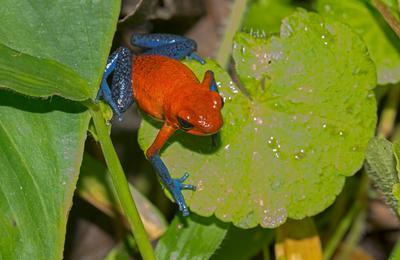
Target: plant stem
x: 341, y: 230
x: 389, y: 112
x: 235, y: 20
x: 354, y: 213
x: 387, y: 15
x: 121, y: 185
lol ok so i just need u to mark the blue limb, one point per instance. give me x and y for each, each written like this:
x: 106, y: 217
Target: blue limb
x: 174, y: 186
x: 120, y: 95
x: 213, y: 86
x: 155, y: 40
x: 194, y: 56
x: 173, y: 46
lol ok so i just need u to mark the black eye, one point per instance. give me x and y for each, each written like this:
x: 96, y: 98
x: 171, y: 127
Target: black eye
x: 185, y: 125
x: 222, y: 102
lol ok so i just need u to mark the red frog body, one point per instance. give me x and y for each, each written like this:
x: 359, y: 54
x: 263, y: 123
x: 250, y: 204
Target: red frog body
x: 167, y: 90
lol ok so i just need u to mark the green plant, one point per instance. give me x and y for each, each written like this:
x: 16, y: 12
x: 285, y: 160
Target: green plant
x: 300, y: 111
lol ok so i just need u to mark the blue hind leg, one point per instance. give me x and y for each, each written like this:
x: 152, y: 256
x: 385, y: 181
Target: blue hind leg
x: 120, y: 95
x: 173, y: 46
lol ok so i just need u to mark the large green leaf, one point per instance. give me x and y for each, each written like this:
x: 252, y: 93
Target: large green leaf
x: 41, y: 145
x: 382, y: 42
x: 286, y: 149
x: 194, y: 237
x: 55, y: 47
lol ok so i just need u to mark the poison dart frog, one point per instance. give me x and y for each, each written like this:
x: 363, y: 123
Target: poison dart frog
x: 167, y: 90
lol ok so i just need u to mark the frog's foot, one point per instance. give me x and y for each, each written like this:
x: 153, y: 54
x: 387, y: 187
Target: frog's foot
x: 196, y: 57
x: 175, y: 188
x: 105, y: 93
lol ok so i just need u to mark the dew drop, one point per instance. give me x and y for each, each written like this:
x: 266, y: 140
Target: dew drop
x: 300, y: 154
x: 199, y: 186
x: 227, y: 147
x: 243, y: 50
x: 273, y: 218
x: 258, y: 120
x: 272, y: 141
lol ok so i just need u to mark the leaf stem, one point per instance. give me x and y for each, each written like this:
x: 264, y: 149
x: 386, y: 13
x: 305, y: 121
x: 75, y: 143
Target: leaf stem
x: 121, y: 184
x: 387, y: 15
x: 235, y: 20
x: 353, y: 214
x: 341, y: 230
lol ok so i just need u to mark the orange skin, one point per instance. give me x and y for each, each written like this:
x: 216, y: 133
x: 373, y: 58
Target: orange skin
x: 167, y: 89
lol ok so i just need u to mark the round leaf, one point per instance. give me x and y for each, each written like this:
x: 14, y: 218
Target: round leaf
x: 382, y: 42
x: 287, y: 145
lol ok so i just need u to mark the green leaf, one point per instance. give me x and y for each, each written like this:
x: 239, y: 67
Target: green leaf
x: 380, y: 165
x: 382, y: 42
x: 266, y: 15
x: 193, y: 237
x: 286, y: 150
x: 55, y: 47
x: 243, y: 244
x: 41, y: 145
x: 95, y: 186
x: 395, y: 254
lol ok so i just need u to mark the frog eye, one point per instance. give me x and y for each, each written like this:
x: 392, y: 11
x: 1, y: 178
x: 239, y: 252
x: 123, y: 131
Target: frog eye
x: 185, y: 125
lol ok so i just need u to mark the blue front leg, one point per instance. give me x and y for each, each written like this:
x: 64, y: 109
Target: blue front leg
x: 174, y: 186
x: 173, y: 46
